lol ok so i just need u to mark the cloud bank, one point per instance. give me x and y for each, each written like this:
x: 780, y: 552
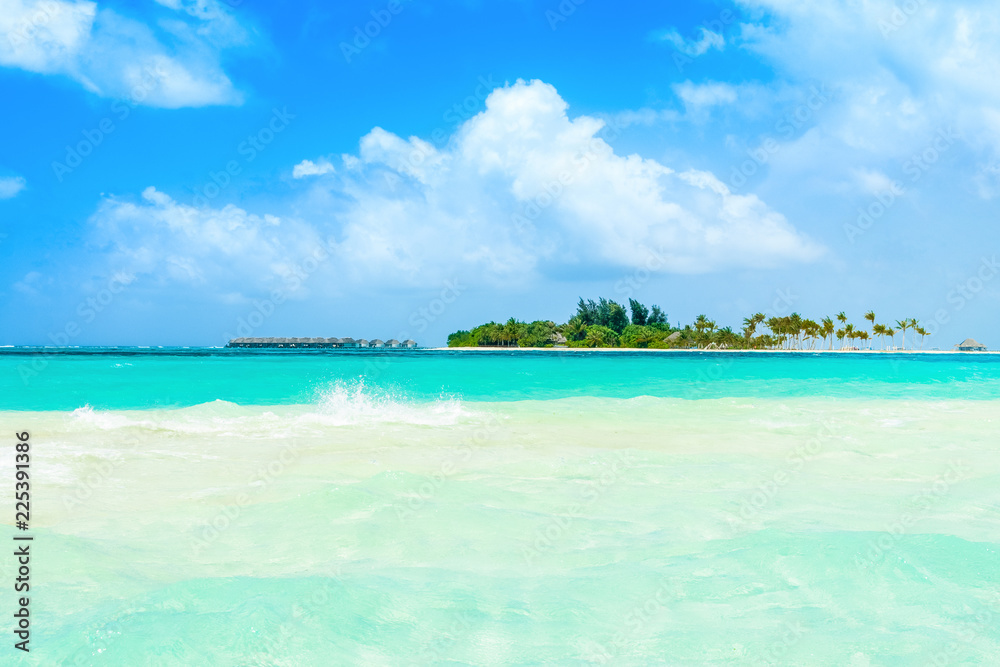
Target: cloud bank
x: 521, y: 190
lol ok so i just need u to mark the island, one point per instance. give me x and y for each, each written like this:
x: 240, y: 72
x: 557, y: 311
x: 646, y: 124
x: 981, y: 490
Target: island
x: 607, y: 324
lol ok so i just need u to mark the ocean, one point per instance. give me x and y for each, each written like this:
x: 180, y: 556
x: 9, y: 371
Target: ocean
x: 240, y: 507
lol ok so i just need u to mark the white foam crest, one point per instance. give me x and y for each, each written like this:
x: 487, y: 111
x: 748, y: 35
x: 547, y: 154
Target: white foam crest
x: 341, y: 404
x: 100, y: 419
x: 354, y: 403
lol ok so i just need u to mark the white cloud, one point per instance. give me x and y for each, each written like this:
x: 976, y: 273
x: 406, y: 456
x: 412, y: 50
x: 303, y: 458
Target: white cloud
x: 692, y: 48
x: 115, y: 56
x: 225, y: 250
x: 521, y: 190
x: 911, y: 72
x: 703, y: 95
x: 873, y: 182
x: 29, y: 284
x: 310, y: 168
x: 11, y: 186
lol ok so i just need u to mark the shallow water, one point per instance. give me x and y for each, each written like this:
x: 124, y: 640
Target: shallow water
x: 262, y: 509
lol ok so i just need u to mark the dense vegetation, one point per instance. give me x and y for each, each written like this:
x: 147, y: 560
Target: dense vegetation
x: 605, y: 323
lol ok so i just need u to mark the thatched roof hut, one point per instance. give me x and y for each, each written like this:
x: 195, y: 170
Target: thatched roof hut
x: 970, y: 345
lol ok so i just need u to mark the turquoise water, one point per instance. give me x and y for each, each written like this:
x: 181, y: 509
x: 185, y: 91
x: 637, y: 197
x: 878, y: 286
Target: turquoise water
x: 43, y: 379
x: 219, y: 508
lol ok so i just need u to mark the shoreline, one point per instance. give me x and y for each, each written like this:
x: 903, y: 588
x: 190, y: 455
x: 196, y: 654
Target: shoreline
x: 689, y: 350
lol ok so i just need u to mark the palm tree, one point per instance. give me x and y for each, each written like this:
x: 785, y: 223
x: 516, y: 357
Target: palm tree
x: 827, y: 330
x: 575, y: 329
x: 904, y: 324
x: 849, y: 333
x: 913, y: 325
x: 863, y: 335
x: 841, y: 317
x: 921, y: 332
x: 840, y: 336
x: 795, y: 328
x: 891, y: 333
x: 870, y: 316
x: 879, y: 330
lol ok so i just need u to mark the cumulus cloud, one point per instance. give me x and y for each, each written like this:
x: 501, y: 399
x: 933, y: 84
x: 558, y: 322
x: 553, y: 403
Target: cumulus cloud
x: 520, y: 190
x: 175, y: 65
x: 524, y: 185
x: 310, y: 168
x: 11, y: 186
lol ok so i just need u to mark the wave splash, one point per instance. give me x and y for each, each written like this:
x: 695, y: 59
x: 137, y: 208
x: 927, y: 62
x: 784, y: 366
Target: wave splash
x: 354, y: 403
x: 342, y: 403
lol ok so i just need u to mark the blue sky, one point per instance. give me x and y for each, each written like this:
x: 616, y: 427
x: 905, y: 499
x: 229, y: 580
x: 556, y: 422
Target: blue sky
x: 175, y: 172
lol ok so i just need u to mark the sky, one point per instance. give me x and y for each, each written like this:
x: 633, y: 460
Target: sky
x: 180, y: 172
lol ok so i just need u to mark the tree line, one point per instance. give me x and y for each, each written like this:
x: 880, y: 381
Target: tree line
x: 606, y: 323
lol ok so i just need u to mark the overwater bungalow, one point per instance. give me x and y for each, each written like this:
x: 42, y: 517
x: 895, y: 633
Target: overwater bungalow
x: 970, y: 345
x: 316, y: 343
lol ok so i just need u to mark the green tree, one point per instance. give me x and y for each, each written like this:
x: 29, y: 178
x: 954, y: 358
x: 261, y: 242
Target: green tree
x: 575, y: 329
x: 827, y: 330
x: 636, y: 335
x: 639, y: 312
x: 600, y: 336
x: 617, y: 318
x: 656, y: 316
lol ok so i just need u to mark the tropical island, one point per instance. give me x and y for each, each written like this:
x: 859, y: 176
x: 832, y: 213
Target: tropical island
x: 607, y: 324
